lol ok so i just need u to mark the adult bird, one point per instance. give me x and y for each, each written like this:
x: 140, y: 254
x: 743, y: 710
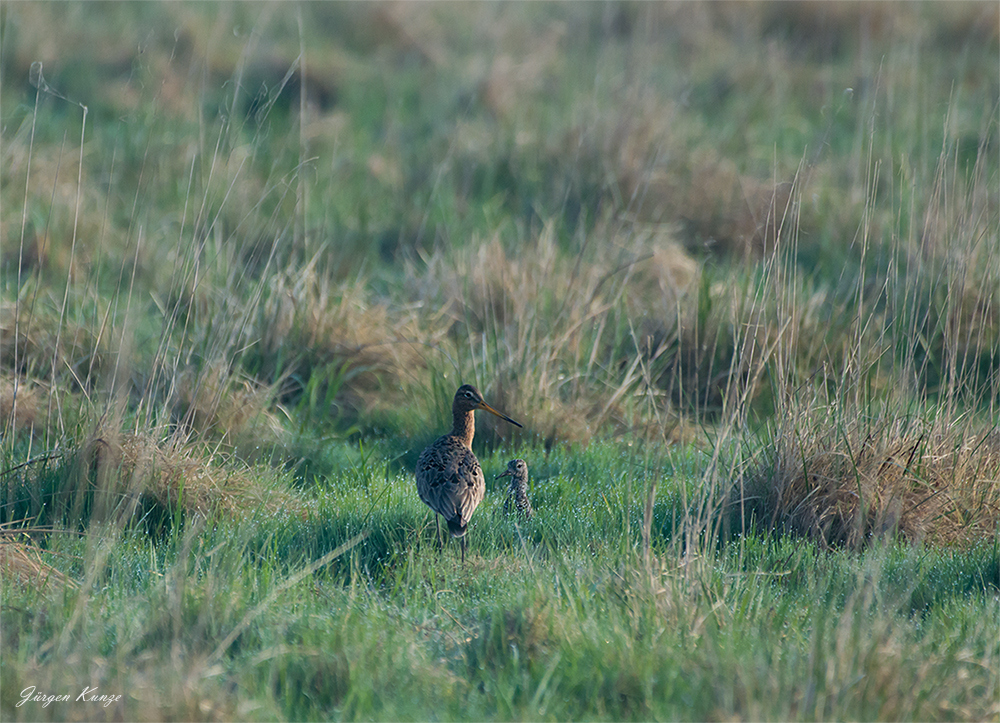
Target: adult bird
x: 449, y: 478
x: 517, y: 494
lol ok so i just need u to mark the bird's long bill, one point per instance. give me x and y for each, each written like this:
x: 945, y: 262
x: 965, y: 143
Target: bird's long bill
x: 488, y: 408
x: 505, y: 473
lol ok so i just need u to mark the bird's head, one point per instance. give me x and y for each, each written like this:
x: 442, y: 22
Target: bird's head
x: 516, y: 468
x: 468, y: 399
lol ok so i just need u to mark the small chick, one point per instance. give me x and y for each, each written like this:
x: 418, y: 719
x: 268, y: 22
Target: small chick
x: 517, y: 495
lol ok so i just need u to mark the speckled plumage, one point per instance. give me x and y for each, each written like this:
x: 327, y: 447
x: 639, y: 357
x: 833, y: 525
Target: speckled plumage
x: 517, y: 494
x: 449, y: 478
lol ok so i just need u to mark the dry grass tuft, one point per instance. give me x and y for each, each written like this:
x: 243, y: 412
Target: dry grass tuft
x: 45, y: 347
x: 137, y: 467
x: 655, y: 177
x: 565, y: 358
x: 721, y: 210
x: 21, y: 562
x: 230, y: 407
x: 876, y: 480
x: 334, y: 322
x: 664, y: 277
x: 518, y: 76
x: 312, y: 330
x: 21, y: 405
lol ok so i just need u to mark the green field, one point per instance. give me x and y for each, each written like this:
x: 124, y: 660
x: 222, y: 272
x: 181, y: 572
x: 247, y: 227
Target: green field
x: 734, y: 266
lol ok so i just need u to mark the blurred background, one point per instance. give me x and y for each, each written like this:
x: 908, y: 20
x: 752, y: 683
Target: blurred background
x: 286, y: 216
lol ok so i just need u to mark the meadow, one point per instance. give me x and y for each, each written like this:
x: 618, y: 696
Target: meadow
x: 734, y: 266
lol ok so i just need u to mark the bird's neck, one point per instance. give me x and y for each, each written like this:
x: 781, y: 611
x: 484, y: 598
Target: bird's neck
x: 463, y: 427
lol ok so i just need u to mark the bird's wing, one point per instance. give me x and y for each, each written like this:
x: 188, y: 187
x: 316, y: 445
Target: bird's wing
x: 450, y: 480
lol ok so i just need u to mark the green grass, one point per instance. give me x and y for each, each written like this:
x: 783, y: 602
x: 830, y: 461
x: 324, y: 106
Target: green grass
x: 556, y: 618
x: 735, y: 267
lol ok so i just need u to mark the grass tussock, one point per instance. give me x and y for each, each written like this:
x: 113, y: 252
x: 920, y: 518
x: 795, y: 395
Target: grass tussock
x: 567, y: 342
x: 128, y: 477
x: 865, y: 465
x: 176, y: 477
x: 237, y: 411
x: 22, y: 562
x: 331, y: 348
x: 21, y: 406
x: 863, y: 481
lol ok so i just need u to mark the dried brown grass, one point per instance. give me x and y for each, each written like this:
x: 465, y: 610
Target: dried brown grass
x: 849, y: 485
x: 721, y: 210
x: 21, y: 561
x: 45, y: 346
x: 564, y: 354
x: 228, y: 406
x: 309, y: 325
x: 59, y: 237
x: 130, y: 467
x: 336, y: 321
x: 21, y: 405
x: 653, y: 172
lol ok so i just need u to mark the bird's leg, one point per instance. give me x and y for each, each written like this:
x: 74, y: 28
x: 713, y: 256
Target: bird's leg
x: 437, y: 530
x: 462, y: 538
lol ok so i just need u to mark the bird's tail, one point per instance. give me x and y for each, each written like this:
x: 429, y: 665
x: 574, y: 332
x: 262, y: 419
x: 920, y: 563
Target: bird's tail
x: 456, y: 528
